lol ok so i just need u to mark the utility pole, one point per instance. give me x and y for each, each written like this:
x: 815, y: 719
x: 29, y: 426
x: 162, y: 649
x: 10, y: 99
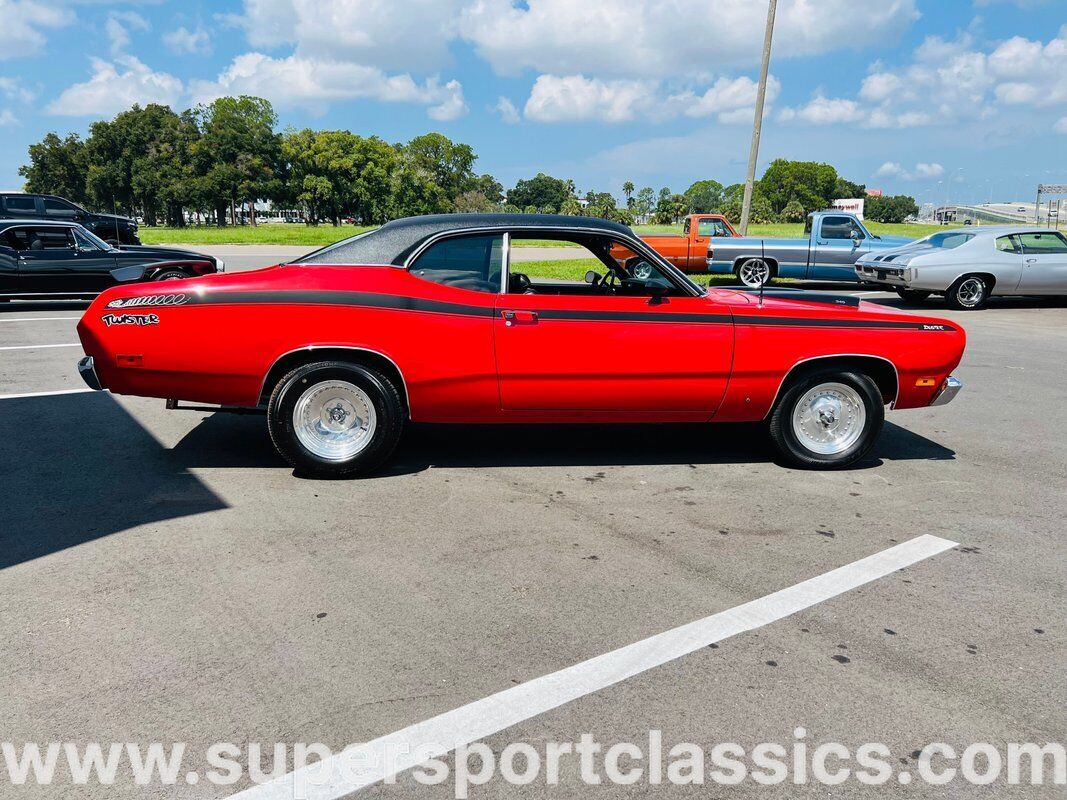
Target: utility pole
x: 757, y: 122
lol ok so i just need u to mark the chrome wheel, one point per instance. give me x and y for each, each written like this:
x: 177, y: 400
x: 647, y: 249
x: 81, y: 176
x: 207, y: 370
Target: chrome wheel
x: 971, y: 292
x: 754, y: 272
x: 829, y: 418
x: 335, y: 420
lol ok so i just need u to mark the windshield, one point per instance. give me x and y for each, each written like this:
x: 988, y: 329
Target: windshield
x: 93, y: 238
x: 947, y: 240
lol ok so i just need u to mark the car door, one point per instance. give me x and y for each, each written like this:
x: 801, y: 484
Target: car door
x: 590, y: 351
x: 55, y: 262
x: 1044, y: 268
x: 837, y: 243
x: 21, y: 206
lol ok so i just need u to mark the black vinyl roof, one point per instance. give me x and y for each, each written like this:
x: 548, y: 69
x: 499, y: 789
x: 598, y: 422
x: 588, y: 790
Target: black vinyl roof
x: 395, y: 241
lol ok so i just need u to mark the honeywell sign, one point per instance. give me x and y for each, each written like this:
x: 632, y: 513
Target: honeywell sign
x: 852, y: 206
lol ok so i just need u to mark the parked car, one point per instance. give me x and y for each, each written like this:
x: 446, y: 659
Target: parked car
x: 835, y: 240
x: 111, y: 228
x: 63, y: 259
x: 688, y: 250
x: 428, y: 320
x: 968, y: 267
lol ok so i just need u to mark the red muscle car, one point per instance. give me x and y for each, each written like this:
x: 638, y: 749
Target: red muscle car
x: 426, y: 320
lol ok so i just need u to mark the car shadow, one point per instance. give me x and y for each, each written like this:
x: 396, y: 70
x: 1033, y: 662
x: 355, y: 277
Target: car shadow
x: 76, y: 468
x: 937, y: 304
x: 16, y: 306
x: 223, y: 440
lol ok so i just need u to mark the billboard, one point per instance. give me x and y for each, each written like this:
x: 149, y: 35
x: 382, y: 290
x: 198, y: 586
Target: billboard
x: 852, y: 205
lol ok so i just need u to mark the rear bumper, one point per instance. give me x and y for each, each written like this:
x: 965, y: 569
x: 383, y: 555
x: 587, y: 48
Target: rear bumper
x: 949, y: 389
x: 88, y: 372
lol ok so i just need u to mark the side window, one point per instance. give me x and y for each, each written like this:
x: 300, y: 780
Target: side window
x: 1050, y: 243
x: 1008, y: 244
x: 688, y: 224
x: 837, y: 228
x: 16, y: 239
x: 712, y: 227
x: 54, y: 207
x: 84, y: 242
x: 20, y: 205
x: 51, y: 239
x: 465, y: 262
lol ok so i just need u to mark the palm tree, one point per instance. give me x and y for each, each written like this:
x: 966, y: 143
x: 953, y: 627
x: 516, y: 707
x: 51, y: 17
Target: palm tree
x: 628, y: 190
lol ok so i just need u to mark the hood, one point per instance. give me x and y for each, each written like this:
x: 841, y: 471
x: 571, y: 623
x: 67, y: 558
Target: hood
x: 167, y: 253
x: 899, y: 255
x: 890, y: 241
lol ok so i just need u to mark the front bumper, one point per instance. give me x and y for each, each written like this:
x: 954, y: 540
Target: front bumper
x: 88, y: 372
x: 949, y: 389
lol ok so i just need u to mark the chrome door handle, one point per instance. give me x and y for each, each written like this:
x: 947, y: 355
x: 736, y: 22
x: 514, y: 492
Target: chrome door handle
x: 1031, y: 261
x: 519, y: 317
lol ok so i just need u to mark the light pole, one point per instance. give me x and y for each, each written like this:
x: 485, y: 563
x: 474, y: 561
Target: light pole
x: 757, y: 121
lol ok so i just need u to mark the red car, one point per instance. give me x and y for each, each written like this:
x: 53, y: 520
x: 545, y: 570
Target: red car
x: 426, y: 320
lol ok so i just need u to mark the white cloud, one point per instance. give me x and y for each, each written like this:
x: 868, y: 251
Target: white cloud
x: 824, y: 111
x: 24, y: 21
x: 312, y: 84
x: 412, y: 35
x: 12, y: 89
x: 118, y: 26
x: 1061, y: 125
x: 924, y: 171
x: 186, y: 42
x: 509, y: 115
x: 109, y: 90
x: 888, y: 170
x: 7, y: 118
x: 576, y: 98
x: 643, y: 39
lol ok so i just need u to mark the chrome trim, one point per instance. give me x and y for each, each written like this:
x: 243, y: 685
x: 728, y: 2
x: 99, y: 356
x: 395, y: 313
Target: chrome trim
x: 87, y: 370
x: 631, y: 243
x: 896, y: 372
x: 505, y: 266
x: 949, y: 389
x: 310, y: 347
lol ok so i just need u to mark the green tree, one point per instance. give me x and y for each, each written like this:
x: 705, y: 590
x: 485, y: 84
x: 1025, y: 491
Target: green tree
x: 571, y: 207
x: 644, y: 202
x: 57, y: 166
x: 890, y: 209
x: 704, y: 197
x: 628, y: 192
x: 473, y: 202
x: 793, y: 212
x: 238, y: 151
x: 845, y: 189
x: 317, y: 191
x: 808, y: 182
x: 449, y: 164
x: 541, y: 190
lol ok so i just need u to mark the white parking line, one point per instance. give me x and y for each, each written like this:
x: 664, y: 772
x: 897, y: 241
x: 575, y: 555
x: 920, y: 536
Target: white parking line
x: 39, y: 319
x: 360, y: 766
x: 44, y: 394
x: 39, y: 346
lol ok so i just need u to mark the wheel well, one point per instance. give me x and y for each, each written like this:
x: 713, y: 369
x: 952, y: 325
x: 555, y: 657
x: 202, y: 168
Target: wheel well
x: 771, y: 263
x: 989, y: 277
x: 153, y: 272
x: 368, y: 358
x: 881, y: 371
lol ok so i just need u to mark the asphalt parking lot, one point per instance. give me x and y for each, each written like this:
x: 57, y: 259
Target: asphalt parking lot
x: 165, y: 577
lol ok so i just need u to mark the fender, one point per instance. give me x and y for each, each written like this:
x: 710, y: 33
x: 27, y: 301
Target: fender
x: 803, y: 361
x: 312, y: 347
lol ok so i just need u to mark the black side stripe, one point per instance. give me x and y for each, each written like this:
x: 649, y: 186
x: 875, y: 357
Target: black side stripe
x: 401, y: 303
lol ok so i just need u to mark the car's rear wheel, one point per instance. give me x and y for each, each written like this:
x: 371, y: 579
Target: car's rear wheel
x: 753, y: 272
x: 912, y: 295
x: 171, y: 275
x: 334, y: 418
x: 827, y: 419
x: 968, y: 293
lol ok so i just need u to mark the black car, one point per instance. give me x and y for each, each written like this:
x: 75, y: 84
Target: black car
x: 109, y: 227
x: 63, y: 259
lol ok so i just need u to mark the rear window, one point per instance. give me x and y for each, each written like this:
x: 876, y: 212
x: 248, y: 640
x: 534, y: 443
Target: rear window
x: 947, y: 241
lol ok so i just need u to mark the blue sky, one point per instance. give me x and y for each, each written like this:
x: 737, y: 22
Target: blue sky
x: 960, y: 99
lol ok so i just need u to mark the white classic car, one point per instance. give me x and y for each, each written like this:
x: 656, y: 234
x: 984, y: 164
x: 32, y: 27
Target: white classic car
x: 969, y: 265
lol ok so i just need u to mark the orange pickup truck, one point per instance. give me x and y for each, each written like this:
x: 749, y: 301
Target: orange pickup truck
x: 689, y: 250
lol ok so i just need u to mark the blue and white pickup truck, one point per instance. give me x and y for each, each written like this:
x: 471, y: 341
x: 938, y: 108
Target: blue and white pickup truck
x: 835, y: 241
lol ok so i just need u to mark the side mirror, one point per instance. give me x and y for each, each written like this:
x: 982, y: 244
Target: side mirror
x: 592, y: 277
x: 855, y: 237
x: 657, y: 287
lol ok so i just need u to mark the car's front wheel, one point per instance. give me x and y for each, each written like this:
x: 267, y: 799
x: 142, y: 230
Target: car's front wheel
x: 171, y: 275
x: 912, y: 295
x: 827, y: 419
x: 334, y: 418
